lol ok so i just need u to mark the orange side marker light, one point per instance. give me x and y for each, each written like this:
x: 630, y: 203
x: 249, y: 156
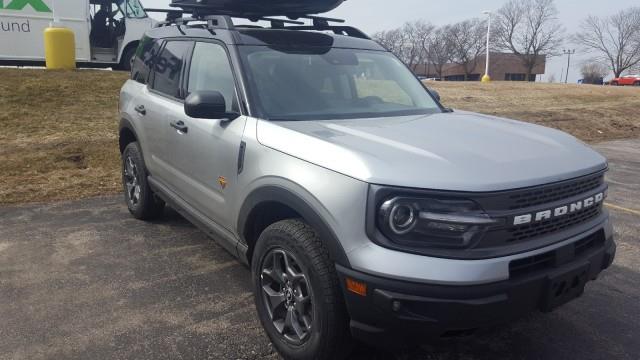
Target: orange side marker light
x: 357, y: 287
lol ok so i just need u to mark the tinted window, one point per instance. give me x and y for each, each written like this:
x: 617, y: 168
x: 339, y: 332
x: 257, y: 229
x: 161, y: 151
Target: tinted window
x: 143, y: 61
x: 168, y: 67
x: 211, y: 71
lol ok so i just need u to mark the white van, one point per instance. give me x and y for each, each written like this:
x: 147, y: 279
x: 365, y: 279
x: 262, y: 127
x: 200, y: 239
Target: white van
x: 108, y: 43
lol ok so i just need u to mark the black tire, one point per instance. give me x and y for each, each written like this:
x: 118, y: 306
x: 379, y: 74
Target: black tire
x: 637, y: 83
x: 614, y: 83
x: 127, y: 59
x: 142, y: 204
x: 327, y: 333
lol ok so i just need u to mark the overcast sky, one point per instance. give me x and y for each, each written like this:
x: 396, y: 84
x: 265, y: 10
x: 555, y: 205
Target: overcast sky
x: 375, y: 15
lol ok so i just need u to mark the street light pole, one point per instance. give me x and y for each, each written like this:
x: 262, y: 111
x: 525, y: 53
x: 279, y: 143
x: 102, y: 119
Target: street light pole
x: 568, y: 53
x: 486, y: 77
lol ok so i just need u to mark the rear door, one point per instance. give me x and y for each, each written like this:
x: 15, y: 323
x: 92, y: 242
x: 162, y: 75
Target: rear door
x: 205, y: 157
x: 165, y: 103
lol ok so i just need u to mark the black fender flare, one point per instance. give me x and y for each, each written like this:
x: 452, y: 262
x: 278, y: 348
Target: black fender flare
x: 272, y: 193
x: 125, y: 124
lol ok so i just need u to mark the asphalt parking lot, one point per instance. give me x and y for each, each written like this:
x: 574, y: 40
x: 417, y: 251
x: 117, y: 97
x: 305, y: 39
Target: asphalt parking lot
x: 83, y: 280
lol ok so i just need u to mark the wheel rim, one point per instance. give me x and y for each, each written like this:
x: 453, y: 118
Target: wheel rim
x: 131, y: 181
x: 287, y: 296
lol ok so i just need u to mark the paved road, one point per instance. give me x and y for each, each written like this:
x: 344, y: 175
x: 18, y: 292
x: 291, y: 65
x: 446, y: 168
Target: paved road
x: 83, y: 280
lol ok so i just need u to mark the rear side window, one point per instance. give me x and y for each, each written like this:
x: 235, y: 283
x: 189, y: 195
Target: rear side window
x: 145, y: 55
x: 168, y: 67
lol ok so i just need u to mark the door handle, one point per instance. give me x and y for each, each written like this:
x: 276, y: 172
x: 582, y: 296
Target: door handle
x: 180, y: 126
x: 141, y: 110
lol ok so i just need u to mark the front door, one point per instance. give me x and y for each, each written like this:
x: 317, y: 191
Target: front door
x: 206, y: 152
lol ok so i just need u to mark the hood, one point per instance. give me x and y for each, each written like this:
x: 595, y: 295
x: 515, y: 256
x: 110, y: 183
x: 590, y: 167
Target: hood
x: 458, y: 151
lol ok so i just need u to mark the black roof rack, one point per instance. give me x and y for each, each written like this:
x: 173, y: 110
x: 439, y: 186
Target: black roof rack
x: 222, y: 19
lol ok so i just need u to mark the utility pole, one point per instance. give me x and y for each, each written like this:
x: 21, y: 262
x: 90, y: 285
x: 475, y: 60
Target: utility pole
x: 568, y: 53
x: 486, y: 77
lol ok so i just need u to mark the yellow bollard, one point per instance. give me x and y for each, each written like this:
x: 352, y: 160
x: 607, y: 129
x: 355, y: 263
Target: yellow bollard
x: 486, y: 78
x: 59, y: 48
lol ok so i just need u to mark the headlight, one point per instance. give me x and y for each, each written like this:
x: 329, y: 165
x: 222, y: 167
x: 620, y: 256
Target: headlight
x: 432, y: 222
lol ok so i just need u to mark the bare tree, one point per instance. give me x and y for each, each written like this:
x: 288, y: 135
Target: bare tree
x: 409, y: 42
x: 467, y: 43
x: 440, y: 49
x: 616, y: 39
x: 391, y: 40
x: 416, y: 35
x: 593, y: 73
x: 529, y: 29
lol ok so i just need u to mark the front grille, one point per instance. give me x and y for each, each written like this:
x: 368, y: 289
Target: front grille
x: 551, y: 193
x: 553, y: 225
x: 507, y: 204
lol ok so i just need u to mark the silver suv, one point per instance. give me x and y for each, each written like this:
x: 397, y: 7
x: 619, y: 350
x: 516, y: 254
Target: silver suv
x: 364, y: 208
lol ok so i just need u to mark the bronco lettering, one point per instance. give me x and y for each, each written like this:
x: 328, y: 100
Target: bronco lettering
x: 559, y: 211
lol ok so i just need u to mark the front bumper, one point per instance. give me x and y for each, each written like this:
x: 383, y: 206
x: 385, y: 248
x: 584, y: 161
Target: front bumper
x: 396, y: 312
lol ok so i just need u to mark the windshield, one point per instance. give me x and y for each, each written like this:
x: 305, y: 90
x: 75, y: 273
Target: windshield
x: 332, y: 83
x: 134, y: 9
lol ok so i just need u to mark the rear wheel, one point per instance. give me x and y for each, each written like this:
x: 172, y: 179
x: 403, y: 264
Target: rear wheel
x: 127, y: 59
x: 298, y: 298
x: 637, y: 83
x: 140, y: 200
x: 614, y: 83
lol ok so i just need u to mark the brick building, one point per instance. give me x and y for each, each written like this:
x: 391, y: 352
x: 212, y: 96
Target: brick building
x: 502, y: 67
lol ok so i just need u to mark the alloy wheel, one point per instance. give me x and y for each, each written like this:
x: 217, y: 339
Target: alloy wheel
x: 131, y: 181
x: 287, y: 296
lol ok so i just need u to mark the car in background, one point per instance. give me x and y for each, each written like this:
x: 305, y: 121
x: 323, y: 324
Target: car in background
x: 592, y: 81
x: 633, y: 80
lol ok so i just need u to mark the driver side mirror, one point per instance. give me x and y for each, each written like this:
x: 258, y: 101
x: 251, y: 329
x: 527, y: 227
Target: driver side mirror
x: 207, y: 105
x: 434, y: 93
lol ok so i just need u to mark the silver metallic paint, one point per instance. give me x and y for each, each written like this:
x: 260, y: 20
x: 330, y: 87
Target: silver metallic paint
x: 329, y: 165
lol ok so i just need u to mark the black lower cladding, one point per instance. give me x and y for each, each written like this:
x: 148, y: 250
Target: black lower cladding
x: 397, y: 312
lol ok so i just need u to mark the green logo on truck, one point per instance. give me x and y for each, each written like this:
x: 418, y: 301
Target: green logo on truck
x: 37, y: 5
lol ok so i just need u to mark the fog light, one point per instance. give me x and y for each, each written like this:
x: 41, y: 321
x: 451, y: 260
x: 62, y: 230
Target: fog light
x: 396, y: 306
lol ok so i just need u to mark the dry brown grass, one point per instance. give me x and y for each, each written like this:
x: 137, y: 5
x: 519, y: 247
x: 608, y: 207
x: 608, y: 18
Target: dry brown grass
x: 59, y: 134
x: 591, y: 113
x: 59, y: 138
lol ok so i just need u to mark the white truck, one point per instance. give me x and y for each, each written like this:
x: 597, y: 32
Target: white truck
x: 107, y: 32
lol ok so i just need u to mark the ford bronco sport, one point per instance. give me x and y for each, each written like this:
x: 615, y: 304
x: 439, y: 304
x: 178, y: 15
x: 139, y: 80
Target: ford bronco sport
x: 364, y: 208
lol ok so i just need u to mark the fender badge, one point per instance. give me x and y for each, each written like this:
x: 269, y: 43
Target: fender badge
x: 222, y: 181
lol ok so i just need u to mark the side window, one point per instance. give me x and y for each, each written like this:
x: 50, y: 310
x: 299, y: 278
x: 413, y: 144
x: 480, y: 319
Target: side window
x: 143, y: 61
x: 211, y: 71
x: 168, y: 67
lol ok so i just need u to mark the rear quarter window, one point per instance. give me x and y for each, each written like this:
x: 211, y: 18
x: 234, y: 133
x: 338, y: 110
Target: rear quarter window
x: 168, y: 67
x: 145, y: 56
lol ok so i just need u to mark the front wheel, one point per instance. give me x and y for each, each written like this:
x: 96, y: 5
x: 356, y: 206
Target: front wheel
x: 298, y: 298
x: 614, y: 83
x: 637, y: 83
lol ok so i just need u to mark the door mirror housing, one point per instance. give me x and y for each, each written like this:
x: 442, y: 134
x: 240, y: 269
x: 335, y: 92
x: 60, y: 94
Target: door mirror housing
x: 207, y: 105
x: 434, y: 93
